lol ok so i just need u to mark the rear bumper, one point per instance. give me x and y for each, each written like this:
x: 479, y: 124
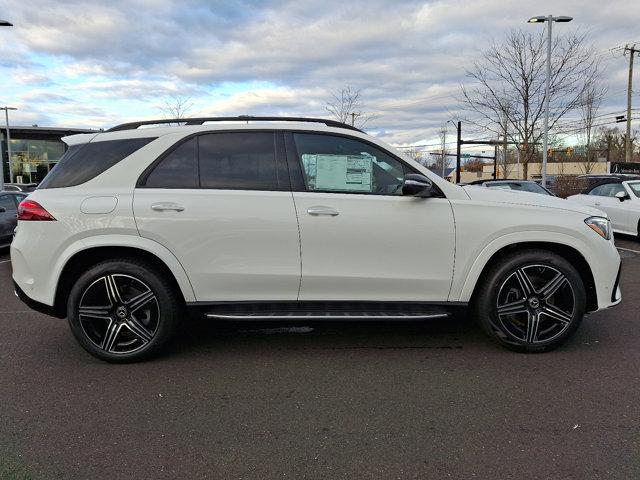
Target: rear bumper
x: 34, y: 305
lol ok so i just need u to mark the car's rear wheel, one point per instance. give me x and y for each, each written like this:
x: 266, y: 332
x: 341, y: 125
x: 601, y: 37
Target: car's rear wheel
x: 122, y: 310
x: 531, y: 301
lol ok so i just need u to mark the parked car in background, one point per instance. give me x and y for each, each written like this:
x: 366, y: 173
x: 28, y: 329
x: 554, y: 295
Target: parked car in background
x: 8, y: 215
x: 594, y: 178
x: 619, y: 198
x: 528, y: 186
x: 20, y: 187
x: 297, y: 219
x: 551, y: 182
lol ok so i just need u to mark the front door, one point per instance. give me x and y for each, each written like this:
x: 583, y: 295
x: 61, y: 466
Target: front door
x: 221, y: 203
x: 361, y: 239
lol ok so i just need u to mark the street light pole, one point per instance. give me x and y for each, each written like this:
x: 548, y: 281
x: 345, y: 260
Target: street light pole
x: 545, y: 138
x: 4, y: 23
x: 8, y: 139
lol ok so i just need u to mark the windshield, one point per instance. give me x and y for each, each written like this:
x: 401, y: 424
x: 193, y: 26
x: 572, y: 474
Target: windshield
x: 635, y: 188
x: 531, y: 187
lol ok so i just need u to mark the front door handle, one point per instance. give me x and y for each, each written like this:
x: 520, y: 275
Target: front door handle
x: 597, y: 204
x: 315, y: 211
x: 161, y: 207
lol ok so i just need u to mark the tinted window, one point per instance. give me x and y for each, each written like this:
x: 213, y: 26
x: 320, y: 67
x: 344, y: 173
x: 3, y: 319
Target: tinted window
x: 178, y: 169
x: 519, y: 186
x: 607, y: 190
x: 238, y: 161
x: 6, y: 202
x: 83, y: 162
x: 339, y: 164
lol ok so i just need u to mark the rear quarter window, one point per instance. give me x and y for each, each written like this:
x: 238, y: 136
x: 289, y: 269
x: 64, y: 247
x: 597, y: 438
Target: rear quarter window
x: 83, y: 162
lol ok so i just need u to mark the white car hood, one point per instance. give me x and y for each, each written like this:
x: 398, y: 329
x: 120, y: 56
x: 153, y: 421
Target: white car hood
x: 484, y: 194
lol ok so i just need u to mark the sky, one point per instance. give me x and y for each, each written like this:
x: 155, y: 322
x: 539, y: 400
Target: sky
x: 96, y: 64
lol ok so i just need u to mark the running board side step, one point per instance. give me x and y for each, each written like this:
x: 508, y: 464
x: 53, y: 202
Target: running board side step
x: 328, y: 316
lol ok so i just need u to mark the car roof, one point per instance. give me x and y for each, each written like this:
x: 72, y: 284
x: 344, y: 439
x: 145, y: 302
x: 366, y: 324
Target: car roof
x: 153, y: 130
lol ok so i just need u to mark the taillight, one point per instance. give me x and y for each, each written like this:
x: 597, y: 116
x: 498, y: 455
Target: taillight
x: 28, y: 210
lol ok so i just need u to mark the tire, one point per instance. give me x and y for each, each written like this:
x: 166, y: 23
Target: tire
x: 532, y: 313
x: 123, y: 310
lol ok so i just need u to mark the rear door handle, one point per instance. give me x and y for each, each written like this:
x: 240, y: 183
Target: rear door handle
x: 161, y: 207
x: 315, y: 211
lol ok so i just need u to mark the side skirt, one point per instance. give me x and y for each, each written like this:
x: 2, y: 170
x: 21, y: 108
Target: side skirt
x: 237, y: 311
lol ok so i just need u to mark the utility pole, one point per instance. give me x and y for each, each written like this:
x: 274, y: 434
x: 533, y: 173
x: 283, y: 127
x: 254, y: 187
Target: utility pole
x: 458, y: 145
x: 8, y: 139
x: 627, y: 142
x: 443, y: 139
x: 353, y: 118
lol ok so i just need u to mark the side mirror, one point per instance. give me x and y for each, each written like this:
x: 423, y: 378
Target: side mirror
x: 416, y: 185
x: 622, y: 196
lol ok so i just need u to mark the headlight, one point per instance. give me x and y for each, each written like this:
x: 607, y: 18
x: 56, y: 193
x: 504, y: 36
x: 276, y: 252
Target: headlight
x: 600, y: 225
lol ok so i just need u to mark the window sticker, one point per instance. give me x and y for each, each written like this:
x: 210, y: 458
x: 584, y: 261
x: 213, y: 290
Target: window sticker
x: 339, y: 172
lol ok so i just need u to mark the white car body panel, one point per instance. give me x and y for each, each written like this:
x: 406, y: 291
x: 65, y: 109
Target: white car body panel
x: 248, y: 245
x: 625, y: 216
x: 236, y: 245
x: 378, y: 247
x: 484, y: 226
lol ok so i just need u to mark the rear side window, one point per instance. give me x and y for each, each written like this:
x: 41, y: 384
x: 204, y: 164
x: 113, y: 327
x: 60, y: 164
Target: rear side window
x: 179, y: 169
x: 7, y: 203
x: 83, y: 162
x: 238, y: 161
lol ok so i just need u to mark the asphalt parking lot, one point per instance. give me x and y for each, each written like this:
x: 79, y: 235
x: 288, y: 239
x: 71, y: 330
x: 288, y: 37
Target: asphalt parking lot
x: 376, y: 400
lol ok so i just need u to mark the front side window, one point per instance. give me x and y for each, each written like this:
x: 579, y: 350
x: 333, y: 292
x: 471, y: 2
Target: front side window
x: 340, y: 164
x: 238, y: 161
x: 178, y: 169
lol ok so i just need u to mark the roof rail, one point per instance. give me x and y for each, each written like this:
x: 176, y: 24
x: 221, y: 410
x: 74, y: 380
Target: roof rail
x: 241, y: 118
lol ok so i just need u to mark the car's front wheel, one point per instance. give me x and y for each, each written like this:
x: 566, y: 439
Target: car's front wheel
x: 531, y: 301
x: 122, y: 310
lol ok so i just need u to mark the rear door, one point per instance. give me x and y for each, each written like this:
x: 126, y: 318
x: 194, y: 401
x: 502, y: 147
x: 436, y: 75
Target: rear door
x: 221, y: 202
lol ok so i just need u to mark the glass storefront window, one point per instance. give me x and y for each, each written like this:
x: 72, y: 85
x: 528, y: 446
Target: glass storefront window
x: 32, y: 159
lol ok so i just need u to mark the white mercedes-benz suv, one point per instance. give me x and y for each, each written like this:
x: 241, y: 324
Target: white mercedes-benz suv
x: 293, y: 218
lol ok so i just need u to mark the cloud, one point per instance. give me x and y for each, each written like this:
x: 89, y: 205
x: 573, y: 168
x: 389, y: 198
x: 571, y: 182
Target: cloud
x: 120, y: 60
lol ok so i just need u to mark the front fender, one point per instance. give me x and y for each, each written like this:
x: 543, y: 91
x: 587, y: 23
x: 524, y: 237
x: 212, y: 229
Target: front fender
x: 465, y: 280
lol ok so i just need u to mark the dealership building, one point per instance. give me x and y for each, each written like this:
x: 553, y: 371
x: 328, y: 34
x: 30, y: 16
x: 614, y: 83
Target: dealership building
x: 34, y: 151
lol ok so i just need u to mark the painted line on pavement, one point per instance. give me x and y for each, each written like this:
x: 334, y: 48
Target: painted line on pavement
x: 628, y: 250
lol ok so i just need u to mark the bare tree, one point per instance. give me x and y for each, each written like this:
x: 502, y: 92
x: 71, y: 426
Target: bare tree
x: 346, y: 106
x: 177, y: 106
x: 589, y: 106
x: 415, y: 154
x: 511, y: 77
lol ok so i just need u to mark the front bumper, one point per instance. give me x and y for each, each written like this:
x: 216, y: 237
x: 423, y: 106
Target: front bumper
x: 34, y: 305
x: 616, y: 295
